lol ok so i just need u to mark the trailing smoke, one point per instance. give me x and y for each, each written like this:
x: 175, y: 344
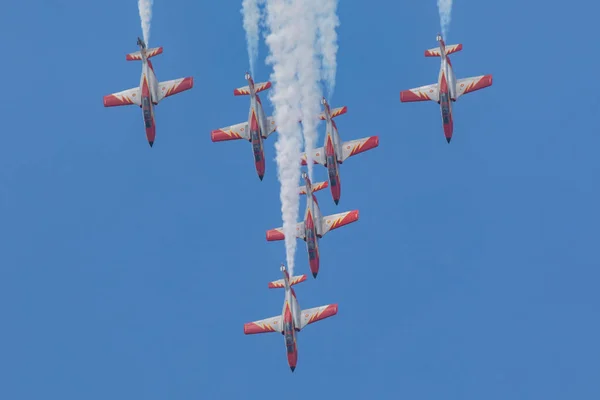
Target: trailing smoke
x: 284, y: 31
x: 309, y: 77
x: 252, y: 17
x: 327, y: 22
x: 445, y: 10
x: 145, y: 8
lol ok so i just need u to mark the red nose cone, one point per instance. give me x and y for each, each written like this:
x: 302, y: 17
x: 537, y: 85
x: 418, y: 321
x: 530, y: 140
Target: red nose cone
x: 293, y: 360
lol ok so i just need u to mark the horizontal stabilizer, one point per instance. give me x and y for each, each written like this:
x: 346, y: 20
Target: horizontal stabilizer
x: 294, y: 280
x: 336, y: 112
x: 435, y: 52
x: 335, y: 221
x: 245, y: 90
x: 317, y: 314
x: 354, y: 147
x: 315, y: 187
x: 137, y: 56
x: 468, y: 85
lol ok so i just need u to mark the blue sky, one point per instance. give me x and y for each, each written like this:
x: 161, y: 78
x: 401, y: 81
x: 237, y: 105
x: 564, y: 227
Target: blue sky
x: 128, y: 272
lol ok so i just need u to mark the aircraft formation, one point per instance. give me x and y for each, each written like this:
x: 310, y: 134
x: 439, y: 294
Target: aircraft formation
x: 334, y: 152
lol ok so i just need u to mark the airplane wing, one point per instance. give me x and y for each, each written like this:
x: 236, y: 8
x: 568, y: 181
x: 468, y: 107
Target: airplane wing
x: 468, y: 85
x: 335, y: 221
x: 318, y: 156
x: 316, y: 314
x: 169, y: 88
x: 266, y: 325
x: 354, y: 147
x: 428, y: 92
x: 271, y: 127
x: 277, y: 233
x: 124, y: 98
x: 233, y: 132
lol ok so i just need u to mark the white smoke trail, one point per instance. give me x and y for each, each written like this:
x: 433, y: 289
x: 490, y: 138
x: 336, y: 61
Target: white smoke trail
x: 145, y: 8
x: 252, y: 17
x: 445, y: 10
x: 309, y: 77
x: 327, y: 22
x: 282, y: 18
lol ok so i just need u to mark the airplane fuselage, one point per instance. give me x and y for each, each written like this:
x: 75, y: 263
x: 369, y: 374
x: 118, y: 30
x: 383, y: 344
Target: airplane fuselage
x: 447, y: 92
x: 148, y: 86
x: 257, y: 124
x: 290, y: 323
x: 312, y: 232
x: 332, y: 155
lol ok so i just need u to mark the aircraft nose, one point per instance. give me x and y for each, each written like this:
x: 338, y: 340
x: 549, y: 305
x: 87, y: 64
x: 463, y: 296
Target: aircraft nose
x: 448, y: 139
x: 292, y: 368
x: 151, y: 143
x: 315, y: 275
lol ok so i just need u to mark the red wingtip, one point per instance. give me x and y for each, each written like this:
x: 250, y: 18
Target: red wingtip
x: 274, y: 234
x: 408, y: 96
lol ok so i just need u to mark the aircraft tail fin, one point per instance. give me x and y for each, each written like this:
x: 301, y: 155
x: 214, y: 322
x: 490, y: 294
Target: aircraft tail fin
x: 137, y: 56
x: 245, y: 90
x: 436, y: 52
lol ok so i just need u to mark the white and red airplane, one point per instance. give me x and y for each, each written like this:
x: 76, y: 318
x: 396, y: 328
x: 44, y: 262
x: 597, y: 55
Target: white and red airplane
x: 256, y: 130
x: 314, y: 226
x: 335, y: 151
x: 448, y: 87
x: 150, y: 92
x: 292, y: 319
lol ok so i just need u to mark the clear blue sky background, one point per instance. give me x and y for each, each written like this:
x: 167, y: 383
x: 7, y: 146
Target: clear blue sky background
x: 128, y: 272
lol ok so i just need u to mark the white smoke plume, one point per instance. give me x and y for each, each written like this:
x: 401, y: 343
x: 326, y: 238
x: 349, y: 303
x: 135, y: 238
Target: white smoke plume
x: 445, y: 10
x: 145, y: 8
x: 327, y: 22
x: 252, y: 16
x: 284, y: 31
x: 309, y: 77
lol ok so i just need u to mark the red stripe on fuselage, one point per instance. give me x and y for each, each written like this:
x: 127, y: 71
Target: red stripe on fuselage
x: 257, y: 146
x: 290, y: 337
x: 312, y: 244
x: 332, y: 169
x: 445, y: 108
x: 148, y: 112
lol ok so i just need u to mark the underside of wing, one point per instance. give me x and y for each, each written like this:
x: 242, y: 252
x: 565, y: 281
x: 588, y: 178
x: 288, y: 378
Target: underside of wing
x: 233, y: 132
x: 335, y: 221
x: 169, y: 88
x: 124, y: 98
x: 318, y: 156
x: 267, y: 325
x: 317, y: 314
x: 468, y: 85
x: 271, y: 127
x: 277, y: 233
x: 354, y: 147
x: 423, y: 93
